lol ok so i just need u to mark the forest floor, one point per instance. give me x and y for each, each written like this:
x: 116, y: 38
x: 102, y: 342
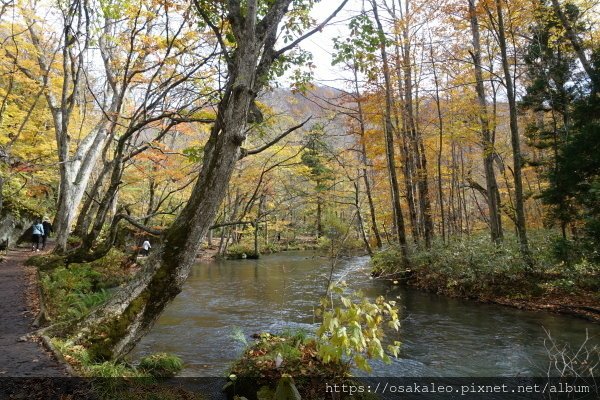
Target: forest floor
x: 21, y: 356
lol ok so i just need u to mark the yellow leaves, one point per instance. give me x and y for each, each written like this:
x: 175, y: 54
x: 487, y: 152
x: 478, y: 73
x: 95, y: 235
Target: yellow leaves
x: 355, y: 329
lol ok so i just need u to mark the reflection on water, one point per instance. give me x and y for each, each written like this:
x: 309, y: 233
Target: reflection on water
x: 440, y: 336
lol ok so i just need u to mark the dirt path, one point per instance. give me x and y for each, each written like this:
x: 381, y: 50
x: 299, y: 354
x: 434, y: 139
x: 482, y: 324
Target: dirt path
x: 18, y: 301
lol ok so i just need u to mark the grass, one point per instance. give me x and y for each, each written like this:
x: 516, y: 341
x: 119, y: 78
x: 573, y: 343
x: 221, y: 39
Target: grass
x: 79, y: 358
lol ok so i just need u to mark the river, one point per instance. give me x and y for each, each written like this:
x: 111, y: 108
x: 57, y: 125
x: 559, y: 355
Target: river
x: 440, y: 336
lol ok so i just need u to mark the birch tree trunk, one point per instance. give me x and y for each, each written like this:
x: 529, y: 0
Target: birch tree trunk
x: 75, y: 166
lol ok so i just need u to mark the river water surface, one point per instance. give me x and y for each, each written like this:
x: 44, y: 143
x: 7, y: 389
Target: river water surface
x: 440, y: 336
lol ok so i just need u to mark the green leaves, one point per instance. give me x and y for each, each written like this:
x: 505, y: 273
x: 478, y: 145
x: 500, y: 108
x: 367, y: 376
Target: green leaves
x: 194, y: 153
x: 359, y: 48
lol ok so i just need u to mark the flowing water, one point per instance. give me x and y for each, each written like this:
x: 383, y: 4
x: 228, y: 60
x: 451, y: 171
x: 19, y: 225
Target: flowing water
x: 440, y: 336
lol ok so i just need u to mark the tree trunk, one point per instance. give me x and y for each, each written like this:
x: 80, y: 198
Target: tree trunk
x: 486, y: 136
x: 319, y: 221
x: 408, y: 159
x: 259, y: 214
x: 209, y: 238
x: 416, y: 139
x: 514, y: 138
x: 364, y: 161
x: 440, y: 145
x: 577, y: 46
x: 389, y: 142
x: 361, y: 224
x: 1, y: 194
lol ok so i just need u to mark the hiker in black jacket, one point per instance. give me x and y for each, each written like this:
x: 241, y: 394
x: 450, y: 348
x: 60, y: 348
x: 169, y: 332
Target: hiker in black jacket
x: 47, y: 230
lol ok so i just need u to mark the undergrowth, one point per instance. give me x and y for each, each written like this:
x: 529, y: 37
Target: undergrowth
x: 245, y: 249
x: 122, y: 380
x: 477, y: 268
x: 72, y: 292
x: 272, y: 357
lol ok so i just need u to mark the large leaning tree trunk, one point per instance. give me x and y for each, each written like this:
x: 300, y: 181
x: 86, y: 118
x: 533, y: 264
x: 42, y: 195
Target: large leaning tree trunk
x: 113, y: 330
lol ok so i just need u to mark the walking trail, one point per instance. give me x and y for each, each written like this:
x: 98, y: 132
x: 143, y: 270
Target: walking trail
x: 19, y: 356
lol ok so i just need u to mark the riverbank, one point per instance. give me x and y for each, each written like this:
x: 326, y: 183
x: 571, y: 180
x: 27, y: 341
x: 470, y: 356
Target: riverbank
x: 225, y: 302
x: 245, y: 249
x: 67, y: 294
x: 473, y: 268
x: 585, y: 307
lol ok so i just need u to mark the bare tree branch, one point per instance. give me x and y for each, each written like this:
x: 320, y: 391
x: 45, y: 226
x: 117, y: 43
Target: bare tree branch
x: 312, y: 31
x: 260, y: 149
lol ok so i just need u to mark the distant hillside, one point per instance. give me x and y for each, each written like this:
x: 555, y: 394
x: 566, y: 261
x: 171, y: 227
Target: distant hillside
x: 320, y: 103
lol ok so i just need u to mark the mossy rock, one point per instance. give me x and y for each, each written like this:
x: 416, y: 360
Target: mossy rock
x: 161, y: 365
x: 271, y: 357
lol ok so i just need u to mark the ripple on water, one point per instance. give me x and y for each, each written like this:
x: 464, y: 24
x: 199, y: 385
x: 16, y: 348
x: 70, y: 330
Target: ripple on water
x: 440, y: 336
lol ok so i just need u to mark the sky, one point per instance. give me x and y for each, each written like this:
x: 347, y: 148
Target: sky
x: 321, y: 43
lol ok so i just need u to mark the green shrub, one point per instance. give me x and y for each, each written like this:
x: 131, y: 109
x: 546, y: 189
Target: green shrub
x: 80, y: 304
x: 79, y: 358
x: 566, y: 250
x: 475, y: 267
x: 77, y: 278
x: 161, y: 365
x: 72, y: 292
x: 270, y: 356
x: 46, y: 262
x: 112, y: 269
x: 68, y: 292
x: 388, y: 261
x: 240, y: 251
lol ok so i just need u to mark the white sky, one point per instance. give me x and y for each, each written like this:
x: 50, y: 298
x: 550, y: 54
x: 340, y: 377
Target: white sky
x: 321, y: 43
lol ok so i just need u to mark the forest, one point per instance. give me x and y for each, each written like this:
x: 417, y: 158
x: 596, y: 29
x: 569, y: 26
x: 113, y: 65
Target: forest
x: 457, y: 148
